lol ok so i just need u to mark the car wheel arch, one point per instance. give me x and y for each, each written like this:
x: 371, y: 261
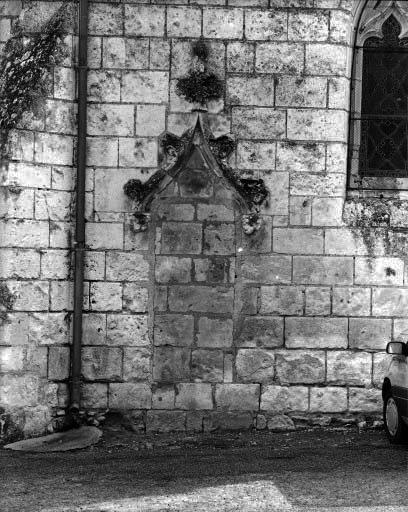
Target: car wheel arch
x: 386, y: 388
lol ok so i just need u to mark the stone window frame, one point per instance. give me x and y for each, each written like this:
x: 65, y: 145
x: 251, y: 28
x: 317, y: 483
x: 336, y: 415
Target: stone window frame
x: 369, y: 16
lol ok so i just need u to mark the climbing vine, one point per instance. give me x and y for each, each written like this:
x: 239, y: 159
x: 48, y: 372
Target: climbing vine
x: 24, y: 67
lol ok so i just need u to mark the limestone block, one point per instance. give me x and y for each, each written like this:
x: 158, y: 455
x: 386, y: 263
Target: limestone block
x: 172, y: 270
x: 214, y: 270
x: 105, y: 19
x: 64, y: 83
x: 390, y: 302
x: 329, y: 399
x: 300, y: 367
x: 104, y: 119
x: 102, y: 363
x: 261, y: 240
x: 369, y: 333
x: 160, y: 298
x: 26, y: 175
x: 400, y: 329
x: 207, y: 366
x: 102, y: 151
x: 94, y: 266
x: 282, y: 300
x: 298, y: 157
x: 322, y: 270
x: 27, y: 233
x: 318, y: 301
x: 60, y: 234
x: 353, y: 368
x: 339, y: 92
x: 94, y: 52
x: 266, y: 25
x: 58, y: 363
x: 136, y: 364
x: 255, y: 365
x: 176, y: 330
x: 29, y: 295
x: 267, y: 269
x: 340, y: 27
x: 104, y: 86
x: 305, y: 184
x: 126, y: 266
x: 106, y: 296
x: 201, y: 299
x: 181, y: 238
x: 104, y: 235
x: 326, y: 59
x: 305, y: 26
x: 138, y: 152
x: 12, y: 359
x: 94, y: 329
x: 53, y: 149
x: 60, y: 117
x: 179, y: 212
x: 237, y: 397
x: 171, y: 364
x: 214, y: 332
x: 316, y: 332
x: 16, y: 204
x: 228, y: 368
x: 194, y: 396
x: 381, y: 363
x: 5, y: 29
x: 37, y: 420
x: 183, y: 22
x: 15, y: 330
x: 55, y: 264
x: 240, y: 57
x: 281, y: 423
x: 36, y: 360
x: 150, y: 121
x: 125, y: 53
x: 131, y: 330
x: 365, y: 400
x: 144, y: 20
x: 379, y: 271
x: 336, y: 158
x: 280, y: 399
x: 261, y: 332
x: 53, y: 205
x: 10, y: 8
x: 328, y: 125
x: 135, y: 298
x: 219, y: 239
x: 145, y: 86
x: 94, y: 396
x: 159, y: 54
x: 297, y: 241
x: 277, y: 184
x: 48, y: 329
x: 19, y: 391
x: 345, y: 241
x: 127, y: 395
x: 62, y: 296
x: 279, y: 57
x: 218, y: 420
x: 251, y: 91
x: 256, y: 155
x: 301, y: 92
x: 327, y: 211
x: 223, y: 23
x: 258, y: 123
x: 216, y: 212
x: 183, y: 59
x: 163, y: 397
x: 165, y: 421
x: 18, y: 263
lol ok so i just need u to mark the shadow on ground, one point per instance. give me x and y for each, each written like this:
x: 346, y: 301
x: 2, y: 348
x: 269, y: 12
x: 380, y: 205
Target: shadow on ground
x: 299, y: 471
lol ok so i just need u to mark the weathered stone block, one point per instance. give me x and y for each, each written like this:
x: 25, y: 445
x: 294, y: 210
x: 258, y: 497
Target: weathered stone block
x: 227, y: 421
x: 138, y: 152
x: 326, y: 59
x: 261, y: 332
x: 328, y: 125
x: 257, y: 91
x: 19, y: 391
x: 29, y: 295
x: 297, y: 241
x: 172, y: 270
x: 207, y: 365
x: 180, y: 212
x: 18, y: 263
x: 351, y: 301
x: 12, y: 359
x: 131, y: 330
x: 379, y: 271
x: 58, y: 363
x: 318, y: 301
x: 94, y: 329
x: 369, y: 333
x: 267, y: 269
x: 305, y: 26
x: 20, y: 205
x: 280, y: 57
x: 145, y: 86
x: 192, y: 396
x: 165, y: 421
x: 182, y: 58
x: 255, y: 365
x: 48, y: 328
x: 351, y: 242
x: 265, y: 25
x: 106, y: 296
x: 300, y: 367
x: 94, y: 396
x: 219, y: 239
x: 150, y: 122
x: 256, y: 155
x: 62, y: 295
x: 181, y: 238
x: 214, y: 270
x: 297, y: 157
x: 306, y: 184
x: 390, y: 302
x: 103, y: 235
x: 171, y: 364
x: 176, y: 330
x: 102, y: 363
x: 128, y: 395
x: 240, y: 57
x: 126, y: 266
x: 159, y: 54
x: 184, y: 22
x: 281, y: 423
x: 352, y: 368
x: 214, y: 212
x: 136, y: 364
x: 258, y: 123
x: 163, y: 397
x: 329, y: 399
x: 202, y: 299
x: 223, y: 23
x: 322, y: 270
x: 27, y: 233
x: 365, y: 400
x: 316, y: 332
x: 381, y: 363
x: 214, y: 332
x: 135, y: 298
x: 301, y: 92
x: 280, y: 399
x: 144, y: 20
x: 328, y: 211
x: 282, y: 300
x: 237, y: 397
x: 105, y: 19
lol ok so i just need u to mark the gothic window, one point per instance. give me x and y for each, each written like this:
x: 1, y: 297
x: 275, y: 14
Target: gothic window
x: 378, y: 149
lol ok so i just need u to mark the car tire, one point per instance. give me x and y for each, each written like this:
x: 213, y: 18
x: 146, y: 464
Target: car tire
x: 395, y: 428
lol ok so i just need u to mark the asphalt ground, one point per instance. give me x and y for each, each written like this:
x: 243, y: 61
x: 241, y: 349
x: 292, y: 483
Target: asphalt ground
x: 343, y: 470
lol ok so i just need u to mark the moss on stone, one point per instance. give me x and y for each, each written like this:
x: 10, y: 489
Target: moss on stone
x: 7, y: 300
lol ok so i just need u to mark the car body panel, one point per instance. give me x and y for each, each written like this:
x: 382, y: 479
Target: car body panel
x: 398, y: 376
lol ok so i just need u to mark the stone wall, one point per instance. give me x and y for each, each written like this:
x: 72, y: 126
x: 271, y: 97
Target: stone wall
x: 321, y: 300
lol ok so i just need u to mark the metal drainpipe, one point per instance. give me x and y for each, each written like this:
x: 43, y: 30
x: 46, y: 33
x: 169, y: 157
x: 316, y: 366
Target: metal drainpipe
x: 79, y: 245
